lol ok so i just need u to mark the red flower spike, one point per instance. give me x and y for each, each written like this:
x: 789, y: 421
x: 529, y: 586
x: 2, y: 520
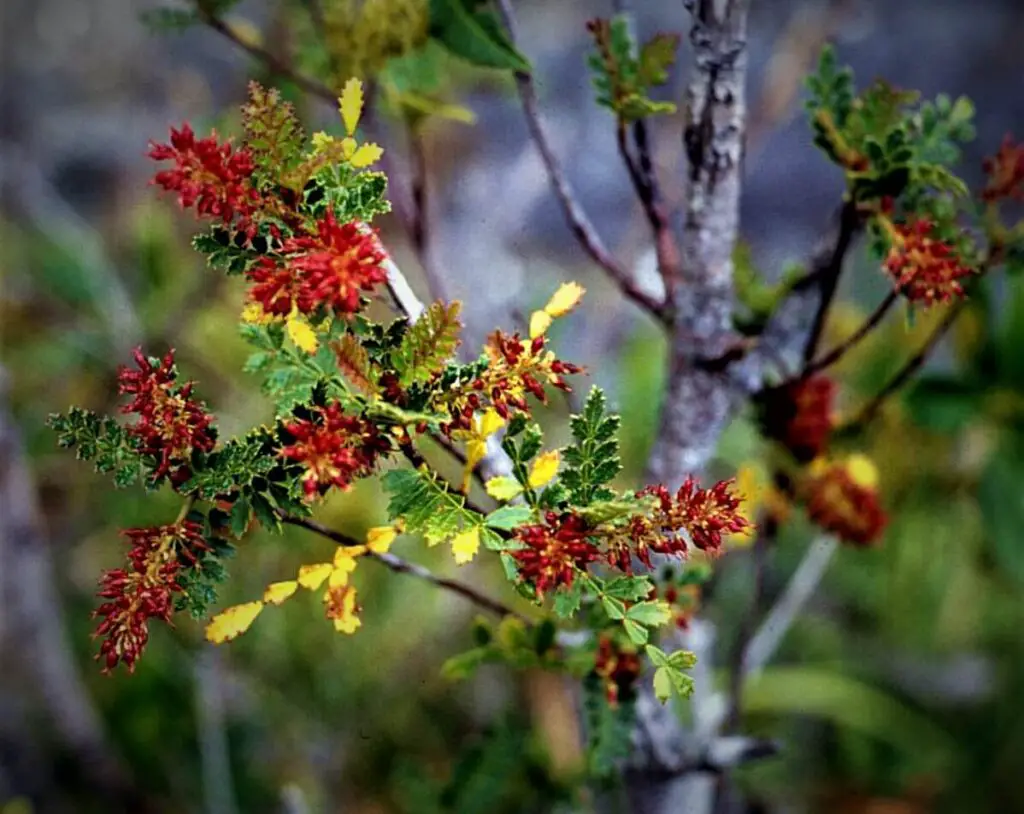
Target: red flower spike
x: 1005, y: 171
x: 838, y: 503
x: 517, y: 367
x: 554, y: 551
x: 208, y: 175
x: 335, y: 448
x: 618, y: 669
x: 143, y: 591
x: 923, y: 268
x: 800, y: 415
x: 171, y: 423
x: 702, y: 515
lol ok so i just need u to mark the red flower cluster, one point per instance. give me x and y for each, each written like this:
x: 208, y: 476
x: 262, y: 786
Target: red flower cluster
x: 618, y: 669
x: 171, y: 424
x: 924, y: 269
x: 335, y: 448
x: 554, y: 551
x: 516, y: 368
x: 331, y: 269
x: 840, y: 502
x: 1005, y: 171
x: 799, y: 415
x: 143, y: 591
x: 207, y: 174
x: 703, y: 515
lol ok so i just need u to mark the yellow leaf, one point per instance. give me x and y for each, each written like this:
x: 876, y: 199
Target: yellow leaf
x: 344, y: 565
x: 253, y: 313
x: 503, y: 487
x: 232, y: 622
x: 379, y: 539
x: 564, y: 299
x: 351, y: 104
x: 544, y: 468
x: 862, y: 471
x: 348, y: 147
x: 312, y: 577
x: 490, y: 422
x: 321, y: 141
x: 341, y: 607
x: 540, y: 321
x: 366, y: 155
x: 278, y: 592
x: 466, y: 544
x: 301, y: 334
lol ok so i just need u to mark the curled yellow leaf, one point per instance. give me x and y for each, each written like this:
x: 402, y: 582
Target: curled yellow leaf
x: 379, y: 539
x: 233, y: 622
x: 503, y: 487
x: 312, y: 577
x: 351, y: 104
x: 564, y: 299
x: 465, y: 545
x: 278, y: 592
x: 340, y: 607
x: 544, y: 468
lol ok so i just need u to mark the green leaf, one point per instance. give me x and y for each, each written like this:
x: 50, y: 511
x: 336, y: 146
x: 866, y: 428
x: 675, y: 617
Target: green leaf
x: 428, y: 344
x: 652, y: 613
x: 667, y: 679
x: 630, y: 589
x: 615, y: 608
x: 426, y: 505
x: 637, y: 632
x: 273, y: 135
x: 474, y: 35
x: 657, y: 56
x: 594, y: 460
x: 509, y: 517
x: 567, y: 600
x: 102, y: 441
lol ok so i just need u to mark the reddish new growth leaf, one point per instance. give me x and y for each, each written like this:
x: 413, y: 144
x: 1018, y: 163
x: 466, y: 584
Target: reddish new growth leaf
x: 334, y: 447
x: 144, y: 590
x: 1005, y: 171
x: 171, y: 424
x: 924, y: 268
x: 840, y: 499
x: 554, y: 551
x: 799, y: 415
x: 702, y: 515
x: 331, y: 269
x: 618, y: 669
x: 210, y: 175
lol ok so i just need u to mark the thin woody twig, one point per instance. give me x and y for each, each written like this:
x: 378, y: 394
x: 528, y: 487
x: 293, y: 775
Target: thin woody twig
x: 276, y: 65
x: 573, y: 211
x: 910, y: 367
x: 851, y: 341
x: 849, y: 221
x: 400, y: 566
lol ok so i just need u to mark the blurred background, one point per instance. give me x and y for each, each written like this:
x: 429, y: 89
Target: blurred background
x: 898, y: 690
